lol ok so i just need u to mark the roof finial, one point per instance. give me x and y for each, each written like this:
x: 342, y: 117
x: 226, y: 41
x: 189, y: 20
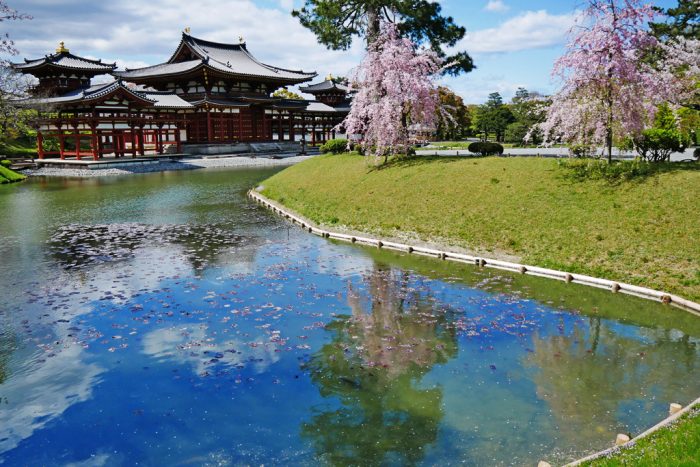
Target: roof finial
x: 61, y: 48
x: 241, y: 40
x: 329, y: 77
x: 187, y: 30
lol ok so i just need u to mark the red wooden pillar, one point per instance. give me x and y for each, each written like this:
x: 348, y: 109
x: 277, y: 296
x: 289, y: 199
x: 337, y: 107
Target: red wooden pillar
x: 254, y: 124
x: 40, y: 144
x: 280, y: 131
x: 291, y: 126
x: 159, y: 139
x: 303, y: 127
x: 210, y: 132
x: 77, y: 143
x: 61, y: 144
x: 141, y: 141
x: 117, y: 142
x: 93, y: 142
x: 178, y: 144
x: 134, y: 137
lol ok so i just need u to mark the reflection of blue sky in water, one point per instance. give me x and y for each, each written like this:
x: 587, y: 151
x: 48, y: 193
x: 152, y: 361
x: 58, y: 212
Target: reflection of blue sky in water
x: 44, y: 391
x: 229, y: 352
x: 192, y: 347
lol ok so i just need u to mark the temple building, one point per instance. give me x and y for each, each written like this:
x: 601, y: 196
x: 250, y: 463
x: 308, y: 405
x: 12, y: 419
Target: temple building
x: 206, y: 95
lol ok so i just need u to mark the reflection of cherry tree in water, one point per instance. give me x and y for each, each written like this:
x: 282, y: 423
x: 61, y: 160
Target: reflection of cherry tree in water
x: 374, y: 365
x: 586, y: 377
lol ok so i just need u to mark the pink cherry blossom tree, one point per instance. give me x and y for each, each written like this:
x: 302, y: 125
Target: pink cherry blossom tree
x: 609, y: 82
x: 395, y: 86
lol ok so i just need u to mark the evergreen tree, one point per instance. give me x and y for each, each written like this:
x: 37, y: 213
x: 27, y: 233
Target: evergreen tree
x: 494, y: 117
x: 336, y: 22
x: 683, y: 21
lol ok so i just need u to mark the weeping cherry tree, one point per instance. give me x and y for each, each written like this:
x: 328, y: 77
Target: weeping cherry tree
x: 395, y: 85
x: 609, y: 82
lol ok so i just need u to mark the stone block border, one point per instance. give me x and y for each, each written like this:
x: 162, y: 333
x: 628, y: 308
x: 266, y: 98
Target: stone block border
x: 613, y: 286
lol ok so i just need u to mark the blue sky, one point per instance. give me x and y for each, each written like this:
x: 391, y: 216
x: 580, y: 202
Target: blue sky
x: 513, y: 42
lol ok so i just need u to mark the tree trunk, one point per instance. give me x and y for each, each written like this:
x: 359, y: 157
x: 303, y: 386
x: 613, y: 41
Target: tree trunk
x: 372, y: 24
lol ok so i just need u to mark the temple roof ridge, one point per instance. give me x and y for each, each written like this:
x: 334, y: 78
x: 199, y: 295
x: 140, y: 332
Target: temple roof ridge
x: 67, y: 60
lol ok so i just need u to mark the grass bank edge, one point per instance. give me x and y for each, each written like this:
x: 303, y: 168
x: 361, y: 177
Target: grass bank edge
x: 524, y: 207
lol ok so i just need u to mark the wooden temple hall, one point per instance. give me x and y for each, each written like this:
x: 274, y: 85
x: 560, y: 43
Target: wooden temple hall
x: 206, y: 95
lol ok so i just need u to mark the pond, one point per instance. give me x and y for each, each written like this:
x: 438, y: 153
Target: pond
x: 164, y: 319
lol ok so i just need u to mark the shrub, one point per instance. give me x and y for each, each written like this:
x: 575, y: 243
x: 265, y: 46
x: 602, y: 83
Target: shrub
x: 656, y: 144
x: 593, y: 169
x: 485, y: 148
x: 5, y: 163
x: 335, y: 146
x: 580, y: 150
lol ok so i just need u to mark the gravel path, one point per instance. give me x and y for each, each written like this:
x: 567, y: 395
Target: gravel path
x: 184, y: 164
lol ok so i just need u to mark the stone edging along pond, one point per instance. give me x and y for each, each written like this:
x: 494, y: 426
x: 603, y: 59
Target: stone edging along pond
x: 613, y: 286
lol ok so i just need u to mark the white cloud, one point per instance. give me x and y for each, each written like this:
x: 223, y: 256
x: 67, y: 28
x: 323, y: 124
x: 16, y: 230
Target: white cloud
x: 530, y: 30
x: 497, y: 6
x: 138, y: 31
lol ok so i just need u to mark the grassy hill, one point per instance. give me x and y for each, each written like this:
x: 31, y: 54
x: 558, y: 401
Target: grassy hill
x: 645, y: 231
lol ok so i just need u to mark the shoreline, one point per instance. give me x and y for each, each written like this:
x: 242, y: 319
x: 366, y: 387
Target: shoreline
x: 167, y: 166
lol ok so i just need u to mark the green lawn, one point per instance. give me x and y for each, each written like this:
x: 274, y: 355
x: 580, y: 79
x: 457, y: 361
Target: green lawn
x: 676, y: 446
x: 644, y: 232
x: 9, y: 176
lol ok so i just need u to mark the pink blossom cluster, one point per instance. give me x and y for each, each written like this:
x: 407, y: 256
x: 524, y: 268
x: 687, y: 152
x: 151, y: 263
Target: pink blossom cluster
x: 395, y: 89
x: 610, y: 82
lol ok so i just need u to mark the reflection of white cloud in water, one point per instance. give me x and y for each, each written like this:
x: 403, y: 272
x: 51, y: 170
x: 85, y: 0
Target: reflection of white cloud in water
x: 187, y: 346
x: 38, y: 396
x: 343, y: 260
x: 97, y: 460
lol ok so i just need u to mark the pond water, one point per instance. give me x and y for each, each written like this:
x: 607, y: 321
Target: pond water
x: 164, y: 319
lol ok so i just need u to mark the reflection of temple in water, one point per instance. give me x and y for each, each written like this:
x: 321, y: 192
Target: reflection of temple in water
x: 77, y: 246
x: 374, y: 366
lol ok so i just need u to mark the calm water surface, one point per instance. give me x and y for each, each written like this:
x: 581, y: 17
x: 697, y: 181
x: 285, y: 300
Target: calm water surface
x: 163, y: 319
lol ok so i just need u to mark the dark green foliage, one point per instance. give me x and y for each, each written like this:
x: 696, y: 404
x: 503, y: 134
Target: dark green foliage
x: 486, y: 148
x: 580, y: 150
x: 336, y: 22
x: 656, y: 144
x: 494, y: 116
x: 683, y: 21
x: 335, y: 146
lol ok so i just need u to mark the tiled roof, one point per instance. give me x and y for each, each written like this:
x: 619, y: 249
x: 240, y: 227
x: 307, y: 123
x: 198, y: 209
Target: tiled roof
x: 327, y: 85
x: 95, y: 92
x: 227, y: 58
x: 315, y: 106
x: 164, y: 69
x: 65, y: 60
x: 167, y: 100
